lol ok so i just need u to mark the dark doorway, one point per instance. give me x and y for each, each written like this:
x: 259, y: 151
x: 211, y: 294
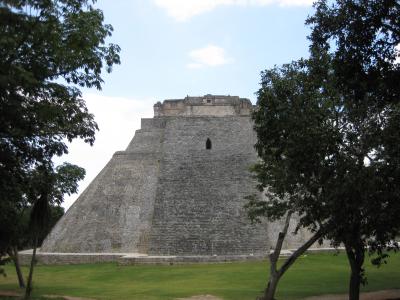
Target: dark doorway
x: 208, y: 144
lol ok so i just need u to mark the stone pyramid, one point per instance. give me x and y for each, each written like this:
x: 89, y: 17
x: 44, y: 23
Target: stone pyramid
x: 178, y: 188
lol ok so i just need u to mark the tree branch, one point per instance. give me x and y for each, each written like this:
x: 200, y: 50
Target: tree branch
x: 300, y: 251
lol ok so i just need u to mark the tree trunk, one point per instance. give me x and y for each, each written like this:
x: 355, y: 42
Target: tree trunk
x: 271, y: 287
x: 275, y: 274
x: 354, y: 288
x: 28, y: 289
x: 355, y: 255
x: 14, y: 256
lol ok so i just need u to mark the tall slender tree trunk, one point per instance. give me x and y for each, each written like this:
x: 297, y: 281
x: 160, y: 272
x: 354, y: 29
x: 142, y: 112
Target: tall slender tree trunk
x: 355, y: 255
x: 28, y: 289
x: 14, y: 256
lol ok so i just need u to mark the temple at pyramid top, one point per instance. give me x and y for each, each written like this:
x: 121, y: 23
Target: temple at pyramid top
x: 207, y: 105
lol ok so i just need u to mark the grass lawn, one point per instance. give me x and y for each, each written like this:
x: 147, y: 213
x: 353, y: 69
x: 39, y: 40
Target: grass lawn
x: 313, y: 274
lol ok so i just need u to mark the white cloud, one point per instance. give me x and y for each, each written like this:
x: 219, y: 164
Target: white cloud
x: 209, y: 56
x: 397, y: 60
x: 118, y: 118
x: 183, y: 10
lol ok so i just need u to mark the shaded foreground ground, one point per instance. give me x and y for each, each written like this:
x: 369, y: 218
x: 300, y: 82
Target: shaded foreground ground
x: 378, y: 295
x: 312, y: 275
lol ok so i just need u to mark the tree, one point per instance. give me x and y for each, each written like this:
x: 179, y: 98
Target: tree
x: 22, y: 235
x: 10, y: 213
x: 294, y: 129
x: 361, y: 37
x: 329, y: 128
x: 19, y: 238
x: 47, y: 50
x: 48, y: 187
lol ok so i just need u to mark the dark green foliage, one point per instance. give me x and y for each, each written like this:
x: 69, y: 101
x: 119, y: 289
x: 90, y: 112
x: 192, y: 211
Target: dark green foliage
x: 47, y: 188
x: 296, y: 131
x: 329, y: 131
x: 47, y: 50
x: 41, y: 41
x: 22, y: 235
x: 361, y: 37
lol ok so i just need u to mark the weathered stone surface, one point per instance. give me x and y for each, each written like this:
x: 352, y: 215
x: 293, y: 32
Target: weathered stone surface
x: 166, y: 194
x: 200, y: 194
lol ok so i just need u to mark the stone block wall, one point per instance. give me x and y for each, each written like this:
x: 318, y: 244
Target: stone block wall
x: 200, y: 196
x: 114, y: 213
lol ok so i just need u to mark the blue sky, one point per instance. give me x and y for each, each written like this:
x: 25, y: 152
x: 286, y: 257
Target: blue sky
x: 159, y: 43
x: 174, y: 48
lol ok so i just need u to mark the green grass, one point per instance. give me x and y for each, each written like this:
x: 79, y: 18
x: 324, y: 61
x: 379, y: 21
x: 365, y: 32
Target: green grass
x: 311, y: 275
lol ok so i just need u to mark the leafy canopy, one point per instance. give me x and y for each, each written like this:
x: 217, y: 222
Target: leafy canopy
x: 362, y: 38
x: 328, y: 128
x: 48, y: 49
